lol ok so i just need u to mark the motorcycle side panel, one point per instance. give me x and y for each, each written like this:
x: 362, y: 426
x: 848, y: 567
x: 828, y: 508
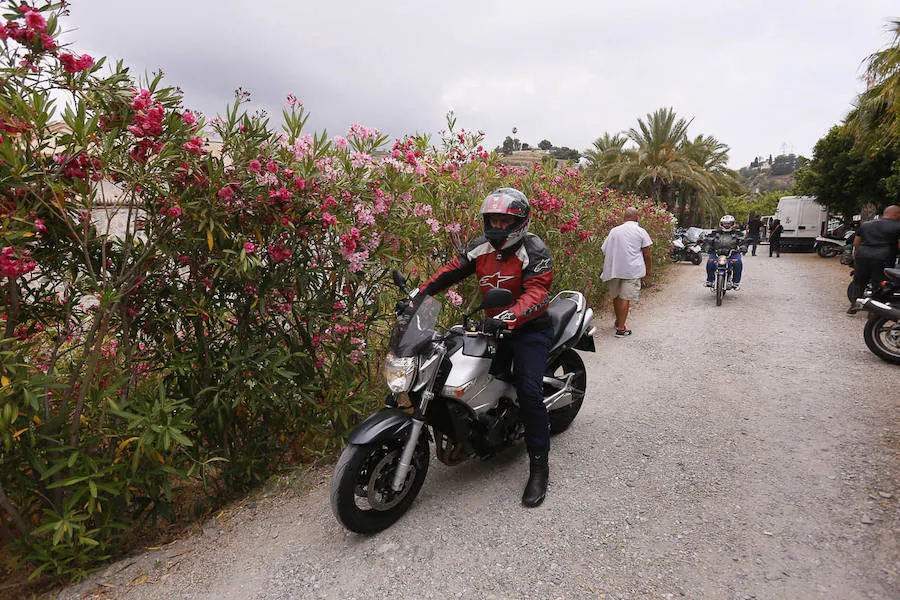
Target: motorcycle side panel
x: 484, y: 392
x: 385, y: 424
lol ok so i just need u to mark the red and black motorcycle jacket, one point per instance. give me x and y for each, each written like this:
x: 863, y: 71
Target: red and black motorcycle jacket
x: 526, y: 270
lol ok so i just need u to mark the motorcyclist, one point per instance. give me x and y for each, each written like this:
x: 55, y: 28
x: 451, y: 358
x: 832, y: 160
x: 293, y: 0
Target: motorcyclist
x: 508, y: 256
x: 725, y: 239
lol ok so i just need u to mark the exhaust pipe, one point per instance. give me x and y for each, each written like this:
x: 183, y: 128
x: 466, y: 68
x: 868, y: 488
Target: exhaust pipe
x: 879, y: 308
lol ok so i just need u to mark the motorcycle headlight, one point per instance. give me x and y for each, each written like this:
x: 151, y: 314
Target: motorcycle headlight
x: 399, y: 372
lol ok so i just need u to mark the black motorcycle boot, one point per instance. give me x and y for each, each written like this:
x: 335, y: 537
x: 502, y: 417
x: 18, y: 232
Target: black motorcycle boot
x: 539, y: 473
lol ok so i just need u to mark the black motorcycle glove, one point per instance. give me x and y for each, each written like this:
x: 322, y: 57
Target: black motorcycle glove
x: 493, y: 326
x: 402, y: 306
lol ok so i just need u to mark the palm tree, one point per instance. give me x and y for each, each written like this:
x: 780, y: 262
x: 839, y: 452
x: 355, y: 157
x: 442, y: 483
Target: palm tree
x: 664, y: 164
x: 709, y: 158
x: 876, y: 117
x: 607, y: 151
x: 659, y: 161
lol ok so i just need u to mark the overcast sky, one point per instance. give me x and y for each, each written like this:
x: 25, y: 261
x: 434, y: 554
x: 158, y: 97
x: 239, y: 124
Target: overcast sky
x: 763, y: 77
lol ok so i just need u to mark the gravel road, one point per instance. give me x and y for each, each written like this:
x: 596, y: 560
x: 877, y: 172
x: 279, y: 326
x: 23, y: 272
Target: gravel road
x: 746, y: 451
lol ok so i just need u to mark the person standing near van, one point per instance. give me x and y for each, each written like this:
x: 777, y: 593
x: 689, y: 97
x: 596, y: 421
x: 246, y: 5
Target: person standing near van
x: 626, y: 260
x: 875, y: 248
x: 754, y: 225
x: 775, y: 238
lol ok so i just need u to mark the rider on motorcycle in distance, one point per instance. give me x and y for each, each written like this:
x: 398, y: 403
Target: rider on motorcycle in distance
x: 726, y: 236
x: 509, y: 257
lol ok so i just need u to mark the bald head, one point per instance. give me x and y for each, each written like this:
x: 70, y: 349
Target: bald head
x: 631, y: 214
x: 891, y: 212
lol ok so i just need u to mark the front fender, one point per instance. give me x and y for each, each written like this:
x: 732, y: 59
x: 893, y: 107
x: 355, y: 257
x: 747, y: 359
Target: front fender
x: 387, y: 423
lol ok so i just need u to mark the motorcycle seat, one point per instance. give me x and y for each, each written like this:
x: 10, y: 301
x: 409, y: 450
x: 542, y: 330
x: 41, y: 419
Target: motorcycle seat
x: 561, y: 311
x: 893, y: 274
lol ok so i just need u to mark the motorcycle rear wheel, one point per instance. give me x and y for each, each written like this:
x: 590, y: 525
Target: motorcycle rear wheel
x: 696, y: 259
x: 565, y: 363
x: 883, y: 339
x: 827, y: 250
x: 361, y: 494
x: 720, y: 289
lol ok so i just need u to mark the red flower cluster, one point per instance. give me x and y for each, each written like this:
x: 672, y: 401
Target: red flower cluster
x: 80, y: 166
x: 76, y: 65
x: 147, y: 120
x: 278, y: 252
x: 12, y: 265
x: 33, y: 36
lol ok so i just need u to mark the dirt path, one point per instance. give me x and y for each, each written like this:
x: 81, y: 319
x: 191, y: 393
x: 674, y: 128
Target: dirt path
x: 746, y: 451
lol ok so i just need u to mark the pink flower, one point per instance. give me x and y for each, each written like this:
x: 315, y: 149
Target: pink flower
x: 292, y: 101
x: 195, y: 146
x: 357, y: 259
x: 206, y: 281
x: 435, y: 226
x: 454, y: 298
x: 249, y: 247
x: 174, y: 212
x: 225, y: 193
x: 254, y: 166
x: 340, y: 142
x: 338, y: 306
x: 272, y: 166
x: 189, y: 117
x: 35, y: 21
x: 328, y: 219
x: 39, y: 226
x: 184, y: 259
x: 75, y: 65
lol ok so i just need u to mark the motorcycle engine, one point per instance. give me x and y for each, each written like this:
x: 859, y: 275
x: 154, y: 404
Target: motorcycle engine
x: 498, y: 428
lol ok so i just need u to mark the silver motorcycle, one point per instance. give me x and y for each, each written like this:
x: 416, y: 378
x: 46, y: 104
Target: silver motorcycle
x: 446, y: 390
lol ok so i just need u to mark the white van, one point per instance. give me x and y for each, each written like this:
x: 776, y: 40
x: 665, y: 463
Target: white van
x: 803, y: 220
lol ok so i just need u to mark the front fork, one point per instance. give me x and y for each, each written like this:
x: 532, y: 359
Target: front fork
x: 418, y: 424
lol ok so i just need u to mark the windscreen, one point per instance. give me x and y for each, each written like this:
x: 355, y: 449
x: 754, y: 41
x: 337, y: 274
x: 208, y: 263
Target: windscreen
x: 415, y: 327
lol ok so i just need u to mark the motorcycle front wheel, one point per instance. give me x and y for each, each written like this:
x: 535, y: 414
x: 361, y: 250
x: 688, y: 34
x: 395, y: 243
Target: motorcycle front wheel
x: 559, y: 368
x: 362, y: 498
x: 720, y: 288
x: 696, y: 259
x: 827, y: 250
x: 883, y: 339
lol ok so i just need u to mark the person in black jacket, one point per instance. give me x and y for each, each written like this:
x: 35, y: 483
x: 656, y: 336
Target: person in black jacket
x: 509, y: 257
x: 875, y: 248
x: 775, y: 238
x: 725, y: 240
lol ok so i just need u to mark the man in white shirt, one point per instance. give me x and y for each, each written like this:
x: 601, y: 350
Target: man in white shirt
x: 627, y: 260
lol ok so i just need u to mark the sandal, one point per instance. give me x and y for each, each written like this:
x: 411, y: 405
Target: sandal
x: 623, y: 332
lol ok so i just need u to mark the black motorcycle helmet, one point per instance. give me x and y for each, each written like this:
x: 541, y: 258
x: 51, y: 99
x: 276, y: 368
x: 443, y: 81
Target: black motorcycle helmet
x: 506, y: 201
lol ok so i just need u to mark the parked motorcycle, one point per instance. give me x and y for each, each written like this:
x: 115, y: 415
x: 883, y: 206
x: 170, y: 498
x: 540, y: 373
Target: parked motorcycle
x: 445, y: 381
x: 686, y: 246
x: 882, y: 331
x: 828, y: 247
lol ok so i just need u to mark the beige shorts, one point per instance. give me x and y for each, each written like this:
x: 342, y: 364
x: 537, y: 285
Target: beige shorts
x: 626, y: 289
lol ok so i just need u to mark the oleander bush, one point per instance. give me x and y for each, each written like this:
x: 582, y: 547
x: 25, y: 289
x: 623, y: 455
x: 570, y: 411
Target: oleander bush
x: 188, y: 304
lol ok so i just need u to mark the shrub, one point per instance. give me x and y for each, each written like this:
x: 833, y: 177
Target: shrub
x: 226, y: 314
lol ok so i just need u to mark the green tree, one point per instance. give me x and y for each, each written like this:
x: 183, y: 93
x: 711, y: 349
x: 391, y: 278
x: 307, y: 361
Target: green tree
x: 545, y: 145
x: 844, y: 176
x: 565, y: 153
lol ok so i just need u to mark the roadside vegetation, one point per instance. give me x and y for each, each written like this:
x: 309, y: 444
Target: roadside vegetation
x: 231, y: 324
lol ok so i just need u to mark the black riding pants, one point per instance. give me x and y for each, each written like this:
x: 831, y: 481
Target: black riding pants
x: 529, y: 351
